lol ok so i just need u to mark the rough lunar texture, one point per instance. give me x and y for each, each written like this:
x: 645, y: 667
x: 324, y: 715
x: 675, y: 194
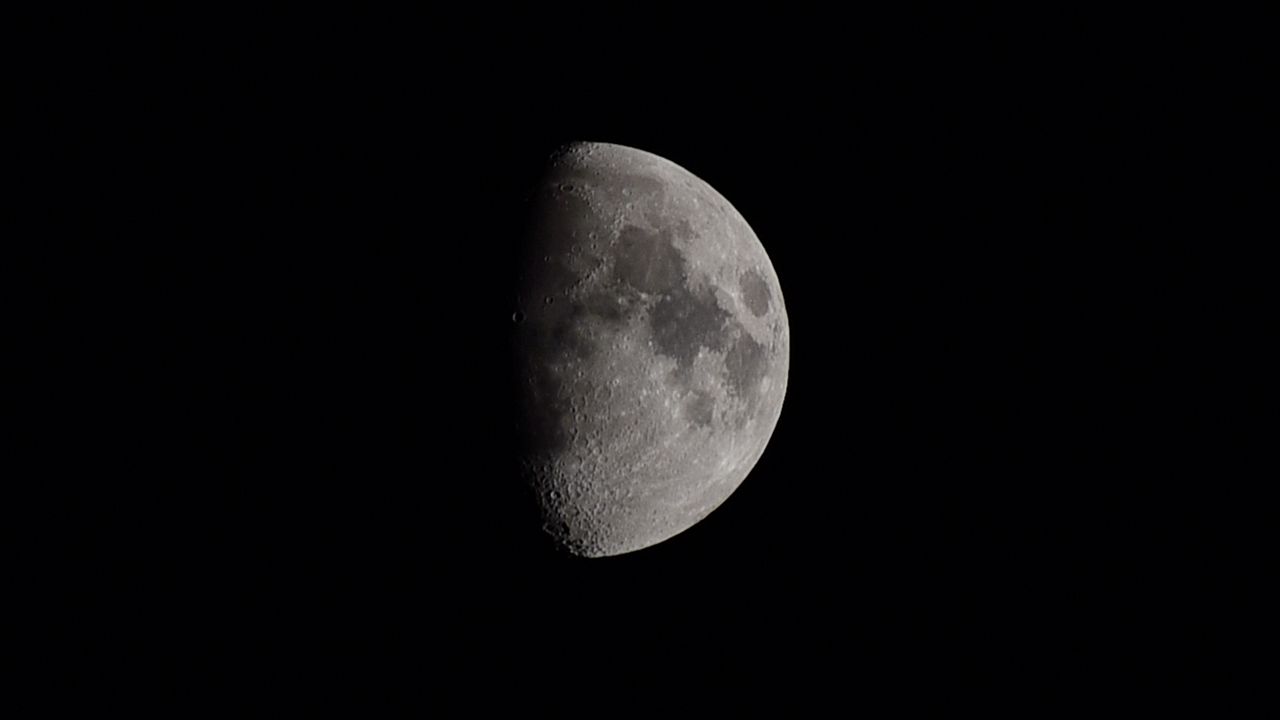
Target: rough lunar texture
x: 651, y: 347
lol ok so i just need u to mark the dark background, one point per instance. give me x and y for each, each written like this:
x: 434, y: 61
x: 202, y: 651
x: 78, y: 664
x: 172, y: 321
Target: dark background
x: 275, y: 321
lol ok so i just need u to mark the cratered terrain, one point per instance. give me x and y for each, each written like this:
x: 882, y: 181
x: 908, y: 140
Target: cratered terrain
x: 651, y: 349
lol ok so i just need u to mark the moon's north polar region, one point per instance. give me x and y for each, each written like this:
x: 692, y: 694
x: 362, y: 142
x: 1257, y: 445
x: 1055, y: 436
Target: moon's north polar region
x: 651, y: 349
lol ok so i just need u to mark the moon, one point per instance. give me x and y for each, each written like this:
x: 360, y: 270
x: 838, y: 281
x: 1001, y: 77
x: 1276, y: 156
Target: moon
x: 651, y: 349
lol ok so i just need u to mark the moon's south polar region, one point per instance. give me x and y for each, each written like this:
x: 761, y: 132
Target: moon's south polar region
x: 651, y: 349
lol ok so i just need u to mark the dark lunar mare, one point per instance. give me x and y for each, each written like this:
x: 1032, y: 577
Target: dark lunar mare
x: 748, y: 364
x: 755, y: 291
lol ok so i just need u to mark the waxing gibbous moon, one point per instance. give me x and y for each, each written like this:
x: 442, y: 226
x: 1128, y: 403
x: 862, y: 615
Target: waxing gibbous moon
x: 651, y: 349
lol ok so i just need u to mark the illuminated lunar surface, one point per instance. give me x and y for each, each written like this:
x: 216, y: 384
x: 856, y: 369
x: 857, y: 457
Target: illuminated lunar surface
x: 652, y: 349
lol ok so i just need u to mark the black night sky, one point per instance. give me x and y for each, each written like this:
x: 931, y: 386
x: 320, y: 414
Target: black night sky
x: 283, y: 267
